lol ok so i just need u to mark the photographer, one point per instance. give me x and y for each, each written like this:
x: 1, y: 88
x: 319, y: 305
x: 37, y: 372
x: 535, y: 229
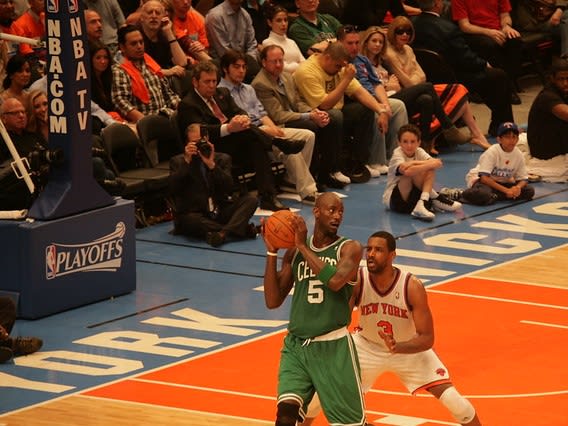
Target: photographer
x: 201, y: 185
x: 14, y: 194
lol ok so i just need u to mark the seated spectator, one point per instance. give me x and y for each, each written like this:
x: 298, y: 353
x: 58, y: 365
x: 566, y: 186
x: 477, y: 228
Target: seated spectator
x: 421, y: 100
x: 441, y: 35
x: 297, y: 165
x: 189, y: 29
x: 112, y: 19
x: 277, y: 18
x: 201, y: 186
x: 401, y: 59
x: 256, y: 10
x: 13, y: 346
x: 18, y: 77
x: 384, y: 140
x: 14, y: 194
x: 547, y: 131
x: 32, y: 25
x: 7, y: 18
x: 101, y: 79
x: 542, y: 16
x: 36, y: 110
x: 411, y: 178
x: 93, y: 26
x: 489, y: 32
x: 230, y: 130
x: 500, y: 174
x: 160, y: 43
x: 326, y: 81
x: 365, y: 13
x: 278, y: 93
x: 312, y: 31
x: 229, y: 26
x: 139, y: 86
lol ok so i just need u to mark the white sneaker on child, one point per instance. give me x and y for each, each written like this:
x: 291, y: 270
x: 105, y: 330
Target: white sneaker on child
x: 421, y: 212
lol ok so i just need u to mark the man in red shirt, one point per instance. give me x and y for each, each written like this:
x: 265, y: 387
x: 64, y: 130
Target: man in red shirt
x: 488, y: 30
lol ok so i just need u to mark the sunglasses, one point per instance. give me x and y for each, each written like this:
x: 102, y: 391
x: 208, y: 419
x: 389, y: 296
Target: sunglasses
x: 401, y: 31
x: 349, y: 29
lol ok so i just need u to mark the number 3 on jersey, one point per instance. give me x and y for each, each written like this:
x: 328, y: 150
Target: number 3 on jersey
x: 386, y: 327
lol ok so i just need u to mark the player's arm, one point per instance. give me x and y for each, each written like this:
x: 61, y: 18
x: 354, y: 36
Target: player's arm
x: 335, y: 277
x: 424, y: 337
x: 277, y: 284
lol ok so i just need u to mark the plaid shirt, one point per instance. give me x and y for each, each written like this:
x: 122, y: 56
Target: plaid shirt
x: 162, y: 98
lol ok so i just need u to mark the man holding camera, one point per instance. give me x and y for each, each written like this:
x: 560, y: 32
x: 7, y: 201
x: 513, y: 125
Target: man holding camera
x: 201, y: 185
x: 14, y: 195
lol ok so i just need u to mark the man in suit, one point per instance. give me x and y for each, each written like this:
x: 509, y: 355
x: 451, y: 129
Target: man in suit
x: 440, y: 35
x: 277, y: 91
x: 230, y: 130
x: 201, y: 184
x: 298, y: 174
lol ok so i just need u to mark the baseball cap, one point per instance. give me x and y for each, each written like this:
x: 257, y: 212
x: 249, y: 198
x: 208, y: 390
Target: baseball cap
x: 507, y: 127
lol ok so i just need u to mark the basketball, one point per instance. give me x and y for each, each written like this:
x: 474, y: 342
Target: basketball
x: 279, y: 231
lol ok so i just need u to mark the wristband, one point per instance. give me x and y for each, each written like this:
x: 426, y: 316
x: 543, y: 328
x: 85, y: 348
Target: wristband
x: 326, y: 273
x: 271, y: 253
x: 172, y: 41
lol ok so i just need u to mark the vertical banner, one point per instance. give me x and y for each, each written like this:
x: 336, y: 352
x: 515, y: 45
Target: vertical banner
x: 71, y: 187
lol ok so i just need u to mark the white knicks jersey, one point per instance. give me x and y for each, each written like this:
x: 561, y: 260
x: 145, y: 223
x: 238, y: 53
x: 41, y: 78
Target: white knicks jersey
x: 388, y: 312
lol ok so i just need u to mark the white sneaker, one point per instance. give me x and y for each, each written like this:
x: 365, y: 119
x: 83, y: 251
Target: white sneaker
x: 341, y: 177
x: 443, y: 203
x: 383, y: 168
x: 374, y: 172
x: 421, y: 212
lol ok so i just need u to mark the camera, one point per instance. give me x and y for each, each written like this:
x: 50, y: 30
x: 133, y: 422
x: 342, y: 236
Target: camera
x: 203, y: 147
x: 41, y: 160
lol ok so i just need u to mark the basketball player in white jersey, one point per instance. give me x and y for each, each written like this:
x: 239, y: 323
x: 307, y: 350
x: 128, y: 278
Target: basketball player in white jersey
x: 397, y: 331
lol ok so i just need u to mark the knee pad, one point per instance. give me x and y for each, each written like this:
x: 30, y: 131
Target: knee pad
x: 287, y: 414
x: 461, y: 408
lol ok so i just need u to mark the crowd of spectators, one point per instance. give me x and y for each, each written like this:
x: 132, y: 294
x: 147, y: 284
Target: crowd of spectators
x: 323, y: 93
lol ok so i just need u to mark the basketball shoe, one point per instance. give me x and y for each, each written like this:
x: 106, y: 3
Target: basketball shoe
x: 422, y: 212
x: 443, y: 203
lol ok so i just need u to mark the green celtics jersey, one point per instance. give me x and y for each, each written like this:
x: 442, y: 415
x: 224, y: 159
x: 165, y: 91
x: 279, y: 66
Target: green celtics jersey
x: 316, y: 309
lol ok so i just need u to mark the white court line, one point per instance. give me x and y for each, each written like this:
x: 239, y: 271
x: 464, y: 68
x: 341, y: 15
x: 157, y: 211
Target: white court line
x: 494, y: 396
x: 545, y: 324
x: 224, y: 391
x: 497, y: 299
x: 400, y: 420
x: 184, y: 410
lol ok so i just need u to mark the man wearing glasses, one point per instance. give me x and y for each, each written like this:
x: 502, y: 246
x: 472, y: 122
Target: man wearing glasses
x: 14, y: 194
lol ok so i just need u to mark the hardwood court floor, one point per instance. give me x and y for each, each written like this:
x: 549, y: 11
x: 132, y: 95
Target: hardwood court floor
x: 498, y: 332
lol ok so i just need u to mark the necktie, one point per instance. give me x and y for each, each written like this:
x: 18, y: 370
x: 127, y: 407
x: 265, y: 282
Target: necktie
x: 217, y: 111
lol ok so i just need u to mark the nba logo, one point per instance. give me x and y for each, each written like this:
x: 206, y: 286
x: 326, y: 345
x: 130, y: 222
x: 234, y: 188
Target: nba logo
x: 53, y: 6
x: 73, y: 6
x: 50, y: 262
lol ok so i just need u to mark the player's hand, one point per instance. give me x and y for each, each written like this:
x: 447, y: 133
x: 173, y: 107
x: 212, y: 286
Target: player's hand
x: 301, y: 230
x: 389, y: 341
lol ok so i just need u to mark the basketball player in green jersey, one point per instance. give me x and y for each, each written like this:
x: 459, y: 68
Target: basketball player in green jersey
x: 318, y: 353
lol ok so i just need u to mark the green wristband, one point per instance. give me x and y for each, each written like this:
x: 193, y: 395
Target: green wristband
x: 326, y: 273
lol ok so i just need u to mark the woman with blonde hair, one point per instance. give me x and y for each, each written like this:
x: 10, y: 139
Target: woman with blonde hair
x: 401, y: 61
x: 36, y: 110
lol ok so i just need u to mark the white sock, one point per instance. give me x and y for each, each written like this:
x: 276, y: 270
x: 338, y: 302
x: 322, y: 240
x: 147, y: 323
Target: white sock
x: 433, y: 195
x: 425, y: 196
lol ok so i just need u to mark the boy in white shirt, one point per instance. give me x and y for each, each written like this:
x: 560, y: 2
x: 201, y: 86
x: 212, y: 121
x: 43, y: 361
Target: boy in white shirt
x: 500, y: 173
x: 411, y: 176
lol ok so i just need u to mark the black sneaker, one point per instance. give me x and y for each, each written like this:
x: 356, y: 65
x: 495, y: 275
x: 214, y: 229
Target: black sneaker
x: 6, y: 354
x: 26, y: 345
x: 453, y: 194
x: 215, y: 239
x: 444, y: 204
